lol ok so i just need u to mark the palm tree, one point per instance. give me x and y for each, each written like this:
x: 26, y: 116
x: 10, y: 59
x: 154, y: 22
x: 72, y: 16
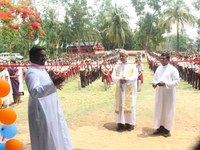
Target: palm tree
x: 116, y: 26
x: 176, y: 12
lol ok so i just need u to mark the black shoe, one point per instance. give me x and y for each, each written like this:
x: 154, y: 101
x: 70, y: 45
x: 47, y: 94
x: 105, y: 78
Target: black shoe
x: 120, y: 127
x: 159, y: 131
x: 166, y: 133
x: 129, y: 127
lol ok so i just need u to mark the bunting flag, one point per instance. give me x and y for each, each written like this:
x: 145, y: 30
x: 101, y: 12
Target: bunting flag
x: 61, y: 46
x: 41, y: 42
x: 44, y: 43
x: 52, y: 43
x: 57, y: 46
x: 10, y: 47
x: 37, y: 41
x: 66, y: 46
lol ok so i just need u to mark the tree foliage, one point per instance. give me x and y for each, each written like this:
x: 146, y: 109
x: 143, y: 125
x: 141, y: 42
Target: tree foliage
x: 18, y: 20
x: 171, y: 43
x: 22, y: 25
x: 178, y: 13
x: 117, y: 26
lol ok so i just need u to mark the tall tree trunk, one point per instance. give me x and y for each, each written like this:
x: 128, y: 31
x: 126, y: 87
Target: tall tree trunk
x: 79, y: 44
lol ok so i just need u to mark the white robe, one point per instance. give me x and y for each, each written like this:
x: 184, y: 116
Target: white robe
x: 21, y: 84
x: 122, y: 117
x: 164, y: 111
x: 7, y: 100
x: 48, y: 128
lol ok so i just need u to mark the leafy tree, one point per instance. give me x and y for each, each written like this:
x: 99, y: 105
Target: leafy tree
x: 139, y: 6
x: 117, y: 26
x: 103, y: 8
x: 150, y: 35
x: 176, y: 12
x: 19, y: 22
x: 52, y: 27
x: 129, y: 43
x: 171, y: 43
x: 139, y: 40
x: 150, y: 18
x: 197, y: 6
x: 79, y: 18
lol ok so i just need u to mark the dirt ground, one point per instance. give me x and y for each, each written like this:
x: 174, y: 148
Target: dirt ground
x: 98, y: 132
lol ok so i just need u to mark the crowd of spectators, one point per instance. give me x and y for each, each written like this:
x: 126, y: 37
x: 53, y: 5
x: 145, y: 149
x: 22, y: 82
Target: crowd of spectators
x: 87, y: 67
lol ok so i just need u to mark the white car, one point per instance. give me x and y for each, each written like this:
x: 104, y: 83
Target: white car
x: 7, y: 56
x: 18, y: 56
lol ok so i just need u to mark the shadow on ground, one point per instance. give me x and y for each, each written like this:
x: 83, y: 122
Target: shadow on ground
x: 110, y: 126
x: 146, y: 132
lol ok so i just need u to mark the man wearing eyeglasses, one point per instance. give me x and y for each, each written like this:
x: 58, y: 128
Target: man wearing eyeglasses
x: 166, y: 78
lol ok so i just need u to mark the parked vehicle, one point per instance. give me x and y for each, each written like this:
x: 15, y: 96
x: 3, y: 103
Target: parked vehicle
x: 18, y: 56
x: 7, y: 56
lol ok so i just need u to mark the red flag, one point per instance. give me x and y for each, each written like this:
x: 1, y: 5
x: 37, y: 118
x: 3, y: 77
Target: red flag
x: 10, y: 47
x: 52, y: 43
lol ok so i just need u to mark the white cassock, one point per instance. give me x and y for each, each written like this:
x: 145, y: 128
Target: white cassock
x: 4, y: 75
x: 125, y: 95
x: 164, y: 111
x: 48, y: 128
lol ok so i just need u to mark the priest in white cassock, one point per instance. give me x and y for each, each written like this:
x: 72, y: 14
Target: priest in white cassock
x: 47, y: 125
x: 125, y: 76
x: 166, y: 78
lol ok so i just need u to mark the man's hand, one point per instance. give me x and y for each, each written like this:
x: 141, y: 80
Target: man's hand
x: 58, y: 81
x: 122, y: 80
x: 161, y: 83
x: 154, y: 85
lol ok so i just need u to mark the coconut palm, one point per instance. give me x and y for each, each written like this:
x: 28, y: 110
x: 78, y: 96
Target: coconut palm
x: 116, y: 26
x: 178, y: 13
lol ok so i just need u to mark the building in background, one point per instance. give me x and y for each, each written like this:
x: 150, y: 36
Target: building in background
x: 85, y: 47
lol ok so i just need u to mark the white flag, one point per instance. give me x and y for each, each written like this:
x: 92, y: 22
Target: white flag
x: 37, y: 41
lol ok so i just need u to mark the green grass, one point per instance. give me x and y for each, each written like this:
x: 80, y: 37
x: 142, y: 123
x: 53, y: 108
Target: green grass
x: 82, y: 102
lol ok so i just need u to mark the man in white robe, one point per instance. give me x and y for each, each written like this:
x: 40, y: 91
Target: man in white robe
x: 125, y: 76
x: 21, y: 80
x: 47, y: 125
x: 166, y: 78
